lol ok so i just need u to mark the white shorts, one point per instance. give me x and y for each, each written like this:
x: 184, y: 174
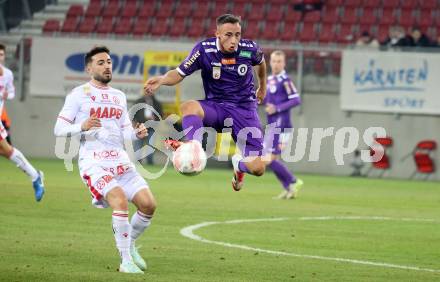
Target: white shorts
x: 101, y: 178
x: 3, y: 132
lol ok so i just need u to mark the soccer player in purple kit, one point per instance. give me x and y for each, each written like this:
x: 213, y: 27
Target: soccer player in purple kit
x: 281, y: 97
x: 226, y: 62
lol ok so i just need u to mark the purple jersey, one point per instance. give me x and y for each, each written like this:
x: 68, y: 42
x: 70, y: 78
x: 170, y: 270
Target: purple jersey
x: 227, y: 77
x: 282, y: 93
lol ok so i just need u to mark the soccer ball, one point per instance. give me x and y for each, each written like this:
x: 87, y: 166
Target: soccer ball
x: 190, y: 158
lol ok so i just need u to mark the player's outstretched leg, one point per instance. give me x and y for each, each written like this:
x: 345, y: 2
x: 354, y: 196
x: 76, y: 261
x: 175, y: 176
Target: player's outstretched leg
x: 20, y: 160
x: 290, y: 184
x: 140, y: 221
x: 241, y: 166
x: 121, y: 229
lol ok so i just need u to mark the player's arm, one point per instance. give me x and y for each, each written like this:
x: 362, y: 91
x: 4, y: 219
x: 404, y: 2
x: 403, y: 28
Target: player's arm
x: 171, y: 78
x: 261, y: 76
x: 66, y: 126
x: 9, y: 89
x: 139, y: 131
x: 293, y: 98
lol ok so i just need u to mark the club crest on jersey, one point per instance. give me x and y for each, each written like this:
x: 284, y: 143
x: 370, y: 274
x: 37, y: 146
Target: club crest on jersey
x: 230, y: 61
x: 216, y: 72
x: 93, y: 98
x: 242, y: 69
x: 272, y: 88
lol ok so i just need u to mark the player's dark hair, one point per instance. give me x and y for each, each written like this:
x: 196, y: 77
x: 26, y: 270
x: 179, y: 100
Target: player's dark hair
x: 228, y: 18
x: 2, y: 47
x: 93, y: 52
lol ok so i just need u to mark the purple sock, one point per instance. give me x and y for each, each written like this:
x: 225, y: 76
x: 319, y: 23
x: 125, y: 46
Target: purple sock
x: 194, y: 122
x: 282, y: 173
x: 242, y: 167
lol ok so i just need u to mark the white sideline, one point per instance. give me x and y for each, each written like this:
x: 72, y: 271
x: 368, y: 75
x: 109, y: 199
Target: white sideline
x: 189, y: 233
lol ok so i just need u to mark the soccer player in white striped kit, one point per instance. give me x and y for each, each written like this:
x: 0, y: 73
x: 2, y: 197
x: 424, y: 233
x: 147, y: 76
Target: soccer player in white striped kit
x: 99, y: 113
x: 7, y: 91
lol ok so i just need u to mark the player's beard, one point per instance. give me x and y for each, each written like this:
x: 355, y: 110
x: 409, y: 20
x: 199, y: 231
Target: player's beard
x: 102, y: 78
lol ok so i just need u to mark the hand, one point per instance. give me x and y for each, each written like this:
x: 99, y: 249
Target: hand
x: 261, y: 94
x: 140, y: 130
x: 91, y: 122
x: 152, y: 84
x: 5, y: 95
x: 270, y: 109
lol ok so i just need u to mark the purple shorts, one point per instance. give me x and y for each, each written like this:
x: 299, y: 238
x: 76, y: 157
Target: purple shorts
x: 246, y: 126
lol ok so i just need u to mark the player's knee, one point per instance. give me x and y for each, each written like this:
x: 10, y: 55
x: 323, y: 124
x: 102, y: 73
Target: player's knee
x: 190, y: 108
x: 148, y: 207
x: 259, y: 169
x: 5, y: 150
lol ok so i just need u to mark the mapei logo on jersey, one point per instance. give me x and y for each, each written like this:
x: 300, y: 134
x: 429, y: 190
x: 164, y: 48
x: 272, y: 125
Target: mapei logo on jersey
x: 191, y: 60
x: 106, y: 112
x: 230, y: 61
x: 127, y: 64
x: 245, y: 54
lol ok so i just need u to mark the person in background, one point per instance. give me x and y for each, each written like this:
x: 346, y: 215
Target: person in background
x: 367, y: 41
x: 419, y: 39
x: 357, y: 164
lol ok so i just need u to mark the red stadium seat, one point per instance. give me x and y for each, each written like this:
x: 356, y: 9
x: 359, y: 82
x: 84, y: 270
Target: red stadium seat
x: 178, y: 28
x: 383, y: 32
x: 221, y: 7
x: 142, y: 27
x: 201, y: 10
x: 429, y: 4
x: 124, y: 26
x: 252, y: 30
x: 410, y: 4
x: 51, y: 26
x: 94, y: 9
x: 368, y: 17
x: 87, y: 25
x: 257, y: 12
x: 426, y: 19
x: 275, y: 13
x: 146, y: 11
x: 105, y: 26
x: 210, y: 29
x: 330, y: 15
x: 345, y: 34
x: 312, y: 17
x: 111, y: 10
x: 334, y: 3
x: 422, y: 155
x: 196, y: 29
x: 353, y: 3
x: 239, y: 9
x: 327, y: 34
x: 308, y: 33
x: 290, y: 32
x: 70, y: 24
x: 271, y: 31
x: 407, y: 19
x: 159, y: 27
x: 164, y: 11
x: 384, y: 163
x: 372, y: 3
x: 130, y: 10
x: 388, y: 17
x: 387, y: 4
x: 183, y: 10
x: 75, y: 11
x: 350, y: 16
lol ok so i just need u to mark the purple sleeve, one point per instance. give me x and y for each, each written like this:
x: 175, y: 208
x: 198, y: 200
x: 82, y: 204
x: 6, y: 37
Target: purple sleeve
x: 257, y: 55
x: 289, y: 104
x: 192, y: 62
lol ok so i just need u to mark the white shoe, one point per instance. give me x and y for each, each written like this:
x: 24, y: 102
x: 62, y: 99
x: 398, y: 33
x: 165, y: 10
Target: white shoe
x: 294, y: 189
x: 137, y: 259
x: 130, y: 267
x: 281, y: 196
x: 238, y: 178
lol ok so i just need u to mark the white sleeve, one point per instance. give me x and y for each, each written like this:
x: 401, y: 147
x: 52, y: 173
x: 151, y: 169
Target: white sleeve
x: 127, y: 127
x: 10, y: 89
x: 65, y: 125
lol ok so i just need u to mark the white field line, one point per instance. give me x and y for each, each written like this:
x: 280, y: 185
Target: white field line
x: 189, y: 233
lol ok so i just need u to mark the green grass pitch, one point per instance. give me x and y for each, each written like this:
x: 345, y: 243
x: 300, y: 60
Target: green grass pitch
x: 64, y: 238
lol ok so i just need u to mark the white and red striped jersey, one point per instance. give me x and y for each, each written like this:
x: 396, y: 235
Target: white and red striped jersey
x: 6, y: 86
x: 105, y: 144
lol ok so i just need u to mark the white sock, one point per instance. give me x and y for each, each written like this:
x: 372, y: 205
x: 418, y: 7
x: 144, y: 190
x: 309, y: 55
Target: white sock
x: 121, y: 229
x: 139, y: 222
x: 21, y: 162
